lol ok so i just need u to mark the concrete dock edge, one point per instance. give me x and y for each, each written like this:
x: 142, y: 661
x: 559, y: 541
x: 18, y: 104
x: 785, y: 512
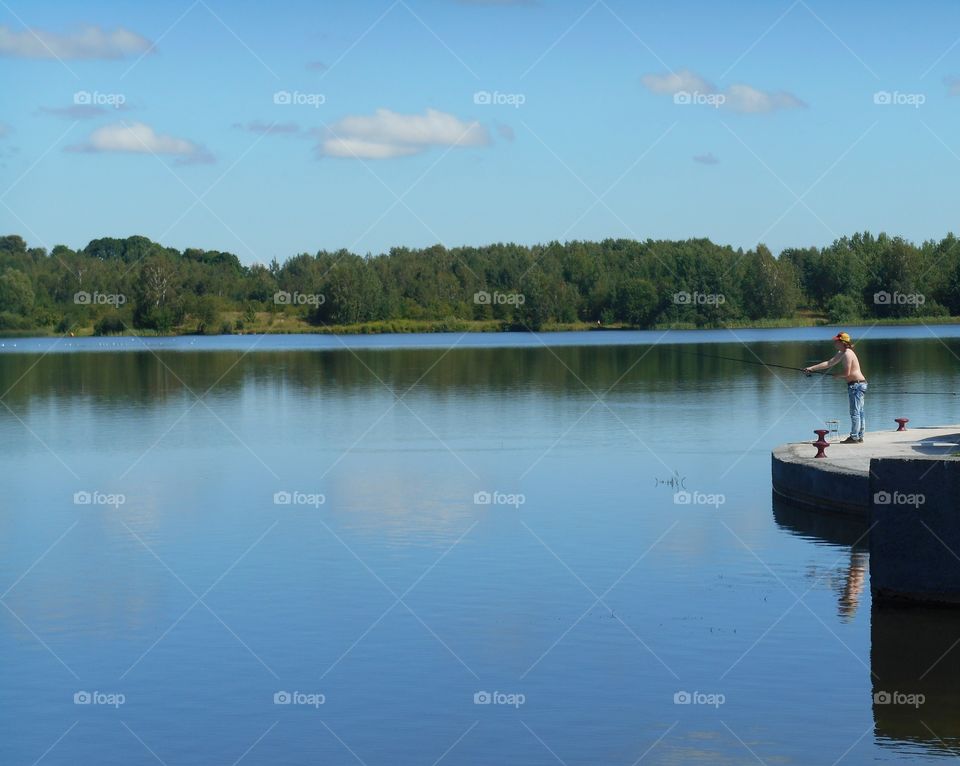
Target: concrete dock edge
x: 915, y: 529
x: 841, y: 491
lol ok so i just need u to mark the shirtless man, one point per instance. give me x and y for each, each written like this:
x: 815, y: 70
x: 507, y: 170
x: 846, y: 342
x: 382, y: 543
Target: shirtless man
x: 856, y: 383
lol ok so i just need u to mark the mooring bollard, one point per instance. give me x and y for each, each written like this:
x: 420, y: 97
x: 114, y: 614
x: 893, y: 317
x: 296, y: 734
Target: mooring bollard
x: 903, y: 423
x: 821, y: 443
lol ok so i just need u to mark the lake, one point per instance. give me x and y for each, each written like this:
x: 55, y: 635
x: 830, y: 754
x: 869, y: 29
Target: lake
x: 452, y: 549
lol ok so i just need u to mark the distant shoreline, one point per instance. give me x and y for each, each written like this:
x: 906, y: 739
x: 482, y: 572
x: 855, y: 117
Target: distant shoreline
x: 283, y: 325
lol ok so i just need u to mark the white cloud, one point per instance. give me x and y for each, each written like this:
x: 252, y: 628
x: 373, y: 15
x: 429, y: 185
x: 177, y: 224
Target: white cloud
x: 706, y: 159
x: 87, y: 42
x: 748, y: 100
x: 388, y: 134
x: 672, y: 82
x: 366, y: 150
x: 741, y: 98
x: 139, y: 138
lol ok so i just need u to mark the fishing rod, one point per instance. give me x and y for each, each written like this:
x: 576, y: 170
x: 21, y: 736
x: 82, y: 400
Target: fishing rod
x: 752, y: 361
x: 814, y: 372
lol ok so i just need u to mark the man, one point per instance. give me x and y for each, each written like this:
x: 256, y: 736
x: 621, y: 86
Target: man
x: 856, y: 383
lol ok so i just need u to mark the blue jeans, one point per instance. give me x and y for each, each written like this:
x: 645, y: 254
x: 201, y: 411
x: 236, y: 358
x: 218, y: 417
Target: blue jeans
x: 858, y: 422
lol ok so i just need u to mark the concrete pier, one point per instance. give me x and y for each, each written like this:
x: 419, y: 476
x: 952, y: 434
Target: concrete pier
x: 915, y: 529
x: 840, y: 482
x: 906, y: 485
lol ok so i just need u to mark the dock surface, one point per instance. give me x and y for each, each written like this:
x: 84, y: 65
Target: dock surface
x: 841, y: 481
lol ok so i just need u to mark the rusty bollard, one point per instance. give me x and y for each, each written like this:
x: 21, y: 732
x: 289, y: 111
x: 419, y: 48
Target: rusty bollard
x: 903, y: 423
x: 821, y: 443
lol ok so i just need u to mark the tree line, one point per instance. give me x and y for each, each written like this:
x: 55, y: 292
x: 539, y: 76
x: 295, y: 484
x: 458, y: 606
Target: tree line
x: 134, y: 283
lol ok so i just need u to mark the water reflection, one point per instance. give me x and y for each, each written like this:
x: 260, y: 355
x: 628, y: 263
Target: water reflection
x: 823, y: 527
x: 914, y: 650
x: 399, y: 494
x: 915, y: 663
x: 853, y: 585
x: 145, y: 377
x: 838, y: 531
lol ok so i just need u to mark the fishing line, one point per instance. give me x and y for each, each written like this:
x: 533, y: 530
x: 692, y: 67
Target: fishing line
x: 814, y: 372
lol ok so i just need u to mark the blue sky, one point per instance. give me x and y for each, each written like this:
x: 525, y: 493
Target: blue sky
x: 589, y: 104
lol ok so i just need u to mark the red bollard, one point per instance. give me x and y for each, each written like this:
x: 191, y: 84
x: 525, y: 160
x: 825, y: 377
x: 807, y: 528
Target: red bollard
x: 821, y: 443
x: 903, y: 423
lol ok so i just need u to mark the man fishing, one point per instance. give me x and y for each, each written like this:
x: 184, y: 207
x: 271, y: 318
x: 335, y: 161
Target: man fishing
x: 856, y: 383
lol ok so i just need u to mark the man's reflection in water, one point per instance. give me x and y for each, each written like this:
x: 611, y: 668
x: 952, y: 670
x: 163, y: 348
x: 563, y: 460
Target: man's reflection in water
x: 853, y: 585
x: 842, y: 533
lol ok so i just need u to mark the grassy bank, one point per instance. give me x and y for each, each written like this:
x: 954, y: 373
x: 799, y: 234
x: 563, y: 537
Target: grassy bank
x: 267, y: 323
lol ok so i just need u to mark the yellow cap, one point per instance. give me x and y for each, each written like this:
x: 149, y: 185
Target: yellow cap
x: 842, y: 337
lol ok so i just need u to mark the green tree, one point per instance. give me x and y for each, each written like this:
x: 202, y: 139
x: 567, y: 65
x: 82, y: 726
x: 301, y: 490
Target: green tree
x: 534, y: 311
x: 352, y: 293
x: 891, y: 290
x: 768, y: 288
x: 16, y: 292
x: 157, y: 304
x: 637, y: 302
x: 844, y: 308
x: 204, y: 313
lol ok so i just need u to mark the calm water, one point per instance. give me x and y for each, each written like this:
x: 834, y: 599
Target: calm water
x: 584, y: 595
